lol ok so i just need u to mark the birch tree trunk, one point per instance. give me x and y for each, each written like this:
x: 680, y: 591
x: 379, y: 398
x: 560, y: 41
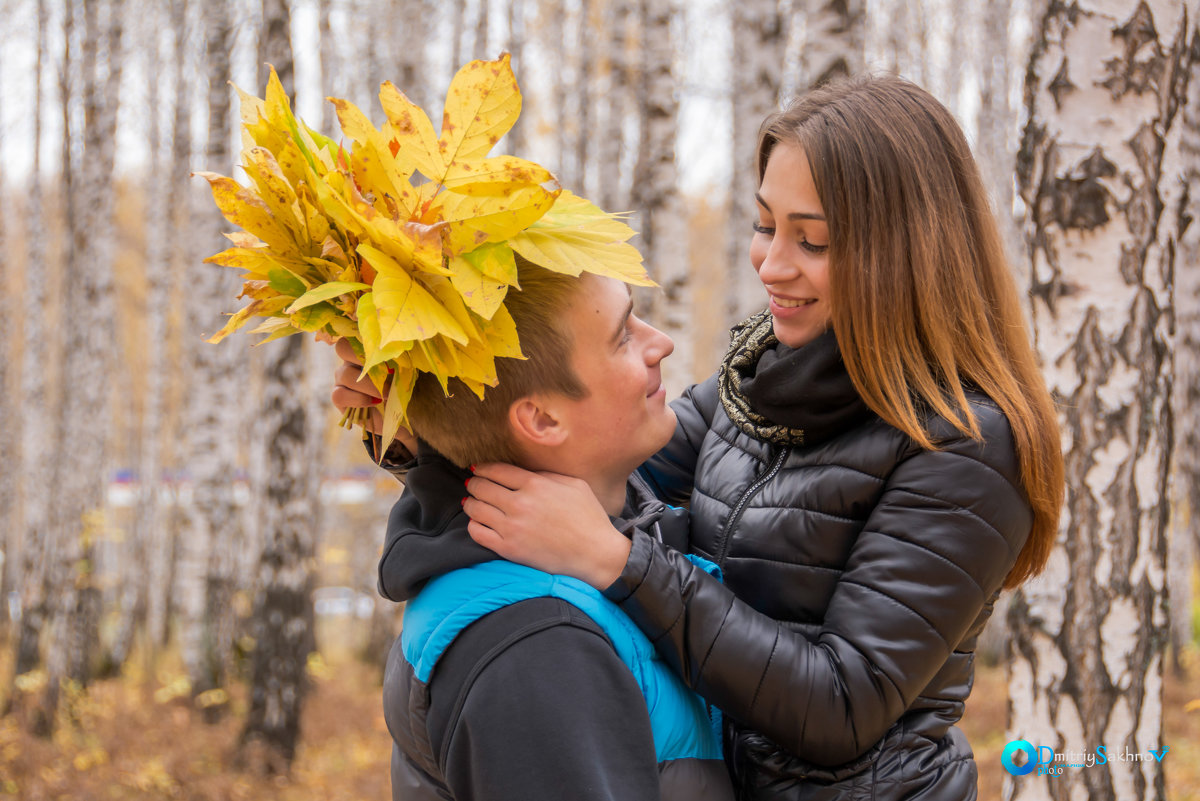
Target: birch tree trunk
x: 283, y: 616
x: 35, y: 473
x: 759, y: 48
x: 995, y: 148
x: 216, y: 382
x: 80, y: 455
x: 458, y: 18
x: 177, y: 223
x: 10, y: 412
x: 552, y: 19
x: 1185, y: 523
x: 134, y: 578
x: 482, y: 31
x: 617, y: 104
x: 1085, y: 660
x: 834, y: 43
x: 516, y: 46
x: 656, y: 194
x: 584, y: 52
x: 414, y: 61
x: 330, y: 68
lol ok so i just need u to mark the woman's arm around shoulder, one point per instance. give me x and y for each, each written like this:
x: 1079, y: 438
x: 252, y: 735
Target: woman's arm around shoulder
x: 933, y: 551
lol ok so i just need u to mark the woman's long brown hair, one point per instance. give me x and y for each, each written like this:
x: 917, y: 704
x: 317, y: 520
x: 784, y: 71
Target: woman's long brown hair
x: 922, y: 297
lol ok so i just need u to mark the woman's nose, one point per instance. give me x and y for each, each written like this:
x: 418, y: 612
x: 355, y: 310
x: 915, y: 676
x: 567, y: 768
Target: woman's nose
x: 776, y: 266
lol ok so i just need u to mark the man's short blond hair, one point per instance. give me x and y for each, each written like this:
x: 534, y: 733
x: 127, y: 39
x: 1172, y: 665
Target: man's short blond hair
x: 467, y: 430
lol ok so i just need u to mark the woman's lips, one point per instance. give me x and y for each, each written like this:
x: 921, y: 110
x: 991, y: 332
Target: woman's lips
x: 789, y: 307
x: 792, y: 303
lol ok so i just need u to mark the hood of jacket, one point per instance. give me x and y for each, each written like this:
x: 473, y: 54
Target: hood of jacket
x: 427, y: 528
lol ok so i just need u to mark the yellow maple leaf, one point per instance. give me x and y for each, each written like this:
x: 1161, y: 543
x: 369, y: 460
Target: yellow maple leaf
x: 405, y: 309
x: 372, y: 158
x: 482, y: 294
x: 336, y: 239
x: 576, y: 236
x: 411, y: 132
x: 482, y: 104
x: 472, y: 221
x: 246, y: 210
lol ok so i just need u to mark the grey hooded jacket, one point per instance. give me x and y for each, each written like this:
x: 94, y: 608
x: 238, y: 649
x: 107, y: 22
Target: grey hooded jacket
x: 529, y: 701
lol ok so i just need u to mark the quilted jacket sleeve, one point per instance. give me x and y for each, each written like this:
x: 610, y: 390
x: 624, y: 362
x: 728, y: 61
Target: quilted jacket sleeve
x: 670, y: 472
x: 940, y: 542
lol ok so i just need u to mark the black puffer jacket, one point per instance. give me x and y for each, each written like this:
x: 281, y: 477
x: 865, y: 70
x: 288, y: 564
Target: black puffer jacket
x: 859, y: 572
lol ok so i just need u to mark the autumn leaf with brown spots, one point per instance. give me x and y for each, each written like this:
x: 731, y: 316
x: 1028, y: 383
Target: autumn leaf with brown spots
x: 341, y: 240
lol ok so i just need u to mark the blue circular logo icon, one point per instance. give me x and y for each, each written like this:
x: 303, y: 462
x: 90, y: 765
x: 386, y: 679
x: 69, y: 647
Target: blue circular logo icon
x: 1031, y: 757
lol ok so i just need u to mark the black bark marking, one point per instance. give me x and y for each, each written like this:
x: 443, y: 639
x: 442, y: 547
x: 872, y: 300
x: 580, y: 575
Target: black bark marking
x: 1080, y: 199
x: 1127, y: 73
x: 1061, y: 86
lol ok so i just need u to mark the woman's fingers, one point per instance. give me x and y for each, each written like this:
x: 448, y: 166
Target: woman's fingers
x: 485, y: 536
x: 347, y: 375
x: 345, y: 352
x: 352, y: 392
x: 504, y: 474
x: 484, y: 514
x: 489, y: 492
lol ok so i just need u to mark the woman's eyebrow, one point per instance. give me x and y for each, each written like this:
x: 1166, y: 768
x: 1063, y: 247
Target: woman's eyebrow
x: 795, y: 215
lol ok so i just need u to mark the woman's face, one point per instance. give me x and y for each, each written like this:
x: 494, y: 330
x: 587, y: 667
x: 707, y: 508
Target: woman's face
x: 790, y: 247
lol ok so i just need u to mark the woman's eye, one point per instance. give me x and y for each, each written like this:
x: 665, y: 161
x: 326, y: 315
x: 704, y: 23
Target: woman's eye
x: 811, y: 248
x: 759, y: 228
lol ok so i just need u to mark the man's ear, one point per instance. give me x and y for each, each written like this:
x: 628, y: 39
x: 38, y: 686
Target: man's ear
x: 535, y: 422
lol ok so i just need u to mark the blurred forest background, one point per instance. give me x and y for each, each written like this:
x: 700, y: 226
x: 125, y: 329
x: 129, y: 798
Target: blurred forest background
x: 187, y: 541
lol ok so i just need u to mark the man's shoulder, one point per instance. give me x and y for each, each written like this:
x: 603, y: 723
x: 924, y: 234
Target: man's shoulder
x: 508, y: 662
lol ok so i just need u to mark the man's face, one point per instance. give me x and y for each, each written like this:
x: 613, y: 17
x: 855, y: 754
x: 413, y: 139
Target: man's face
x: 625, y: 418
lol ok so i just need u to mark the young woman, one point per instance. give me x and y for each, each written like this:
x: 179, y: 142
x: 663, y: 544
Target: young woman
x: 876, y: 458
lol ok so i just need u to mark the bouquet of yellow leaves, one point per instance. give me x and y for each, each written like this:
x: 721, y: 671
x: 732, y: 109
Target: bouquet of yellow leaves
x: 340, y: 240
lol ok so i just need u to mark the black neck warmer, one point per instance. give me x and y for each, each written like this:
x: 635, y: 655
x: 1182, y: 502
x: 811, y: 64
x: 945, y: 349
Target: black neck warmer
x: 786, y: 396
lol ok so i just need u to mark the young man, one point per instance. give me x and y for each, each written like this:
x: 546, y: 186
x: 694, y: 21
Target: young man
x: 508, y: 683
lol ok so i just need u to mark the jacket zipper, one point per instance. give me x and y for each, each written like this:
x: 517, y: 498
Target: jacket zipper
x: 736, y: 514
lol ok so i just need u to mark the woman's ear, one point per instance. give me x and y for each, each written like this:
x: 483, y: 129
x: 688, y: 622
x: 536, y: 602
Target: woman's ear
x: 535, y: 423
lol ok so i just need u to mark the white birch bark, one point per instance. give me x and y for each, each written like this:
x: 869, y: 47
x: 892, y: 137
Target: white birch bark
x: 995, y: 147
x: 458, y: 18
x: 553, y: 19
x: 35, y: 473
x: 759, y: 48
x: 656, y: 195
x: 283, y: 615
x: 330, y: 68
x: 177, y: 224
x: 11, y: 409
x: 147, y: 519
x: 516, y: 137
x: 1085, y: 660
x: 585, y: 53
x: 617, y: 105
x: 216, y: 380
x: 1185, y: 507
x: 835, y: 40
x: 80, y: 458
x: 482, y: 32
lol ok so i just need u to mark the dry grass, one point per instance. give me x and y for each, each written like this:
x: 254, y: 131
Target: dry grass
x: 134, y: 739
